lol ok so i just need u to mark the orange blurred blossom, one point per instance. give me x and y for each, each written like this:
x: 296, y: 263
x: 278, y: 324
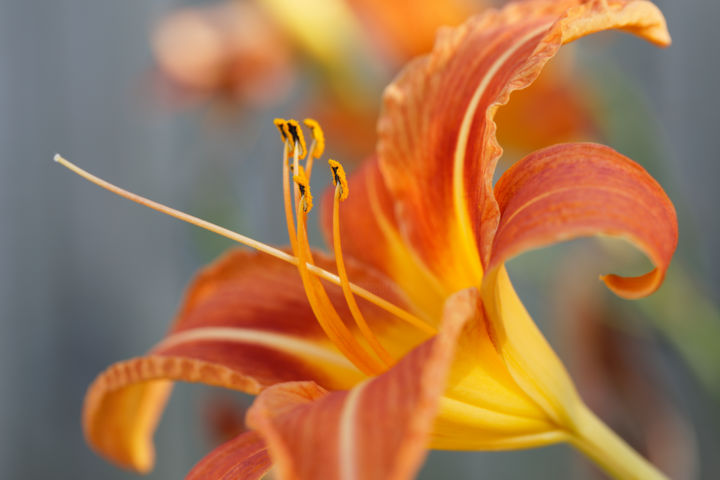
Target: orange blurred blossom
x: 248, y: 53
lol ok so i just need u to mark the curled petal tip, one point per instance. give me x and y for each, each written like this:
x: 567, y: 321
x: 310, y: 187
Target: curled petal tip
x: 633, y: 288
x: 121, y: 412
x: 574, y: 190
x: 639, y: 17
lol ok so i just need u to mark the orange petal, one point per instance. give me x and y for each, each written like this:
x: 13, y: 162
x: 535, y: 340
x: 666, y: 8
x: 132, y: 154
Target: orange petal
x: 379, y: 429
x: 370, y: 234
x: 245, y: 325
x: 573, y: 190
x: 244, y: 457
x: 437, y: 145
x: 249, y: 312
x: 124, y: 404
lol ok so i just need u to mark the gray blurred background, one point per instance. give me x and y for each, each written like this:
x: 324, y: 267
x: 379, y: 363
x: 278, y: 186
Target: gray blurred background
x: 87, y: 279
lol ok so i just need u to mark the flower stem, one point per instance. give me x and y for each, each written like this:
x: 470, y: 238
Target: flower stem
x: 609, y: 451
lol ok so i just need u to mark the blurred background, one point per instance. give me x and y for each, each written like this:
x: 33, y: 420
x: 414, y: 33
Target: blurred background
x: 177, y: 104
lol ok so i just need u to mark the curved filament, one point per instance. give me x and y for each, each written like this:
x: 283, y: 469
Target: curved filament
x: 357, y: 315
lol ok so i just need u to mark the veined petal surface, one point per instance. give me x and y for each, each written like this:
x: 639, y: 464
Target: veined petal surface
x: 370, y: 233
x: 245, y: 324
x: 244, y: 457
x: 437, y: 144
x: 379, y: 429
x: 572, y: 190
x: 557, y: 194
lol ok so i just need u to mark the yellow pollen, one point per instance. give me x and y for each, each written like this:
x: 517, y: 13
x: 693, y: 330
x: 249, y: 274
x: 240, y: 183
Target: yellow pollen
x: 304, y: 186
x: 281, y: 125
x: 318, y: 137
x: 296, y: 134
x: 339, y: 178
x: 287, y: 138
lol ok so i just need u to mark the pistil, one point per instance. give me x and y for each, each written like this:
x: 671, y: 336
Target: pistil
x: 293, y: 143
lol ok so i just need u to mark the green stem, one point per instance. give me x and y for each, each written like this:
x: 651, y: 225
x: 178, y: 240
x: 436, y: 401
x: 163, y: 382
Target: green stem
x: 609, y: 451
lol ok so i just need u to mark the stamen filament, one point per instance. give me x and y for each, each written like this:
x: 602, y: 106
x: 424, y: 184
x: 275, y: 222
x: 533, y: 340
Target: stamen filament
x: 288, y: 202
x: 318, y: 144
x: 318, y: 136
x: 357, y: 315
x: 309, y: 162
x: 247, y: 241
x: 322, y: 307
x: 325, y: 313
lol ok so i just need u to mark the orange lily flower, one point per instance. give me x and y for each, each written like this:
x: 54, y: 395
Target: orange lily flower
x: 412, y: 335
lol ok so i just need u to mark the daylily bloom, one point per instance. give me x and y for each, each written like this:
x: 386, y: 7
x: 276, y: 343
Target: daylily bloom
x: 418, y: 340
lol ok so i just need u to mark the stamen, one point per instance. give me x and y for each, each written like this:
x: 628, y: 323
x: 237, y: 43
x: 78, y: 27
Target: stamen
x: 318, y: 136
x: 287, y: 201
x: 339, y: 178
x: 310, y: 160
x: 295, y: 167
x: 247, y: 241
x: 341, y: 193
x: 303, y: 185
x: 317, y: 147
x: 326, y: 315
x: 281, y: 125
x: 297, y: 136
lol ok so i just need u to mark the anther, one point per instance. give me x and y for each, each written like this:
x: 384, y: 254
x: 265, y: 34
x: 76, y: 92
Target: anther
x: 339, y: 178
x: 318, y: 136
x: 304, y: 186
x: 281, y: 125
x: 297, y: 137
